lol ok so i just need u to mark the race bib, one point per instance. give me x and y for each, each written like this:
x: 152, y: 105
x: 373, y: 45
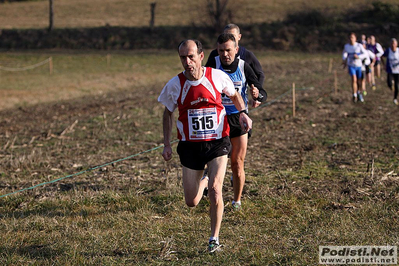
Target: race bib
x: 202, y: 123
x: 226, y: 101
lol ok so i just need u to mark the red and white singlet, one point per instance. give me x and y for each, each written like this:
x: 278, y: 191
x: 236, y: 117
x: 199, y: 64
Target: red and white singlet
x: 202, y: 116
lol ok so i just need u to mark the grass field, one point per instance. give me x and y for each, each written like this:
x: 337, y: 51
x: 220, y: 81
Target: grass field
x: 325, y: 177
x: 96, y: 13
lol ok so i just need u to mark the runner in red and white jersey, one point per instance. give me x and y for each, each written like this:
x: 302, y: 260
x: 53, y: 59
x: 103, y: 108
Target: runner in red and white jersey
x: 202, y: 129
x: 202, y: 117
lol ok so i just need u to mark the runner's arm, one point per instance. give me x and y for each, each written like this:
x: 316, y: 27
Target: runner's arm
x: 380, y: 50
x: 251, y: 59
x: 167, y: 134
x: 257, y: 91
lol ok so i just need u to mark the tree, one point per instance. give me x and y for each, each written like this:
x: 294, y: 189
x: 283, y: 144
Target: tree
x: 217, y: 9
x: 51, y: 16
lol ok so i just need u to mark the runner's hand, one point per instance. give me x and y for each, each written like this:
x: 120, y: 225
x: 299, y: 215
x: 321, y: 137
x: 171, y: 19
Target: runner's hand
x: 254, y: 91
x: 245, y: 122
x: 167, y: 153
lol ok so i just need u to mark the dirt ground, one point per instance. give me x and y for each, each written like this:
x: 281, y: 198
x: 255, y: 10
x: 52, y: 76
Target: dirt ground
x: 49, y: 140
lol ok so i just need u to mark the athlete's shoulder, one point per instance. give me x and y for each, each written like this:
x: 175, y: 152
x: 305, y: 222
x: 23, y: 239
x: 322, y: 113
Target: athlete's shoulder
x: 173, y: 84
x: 217, y: 73
x: 214, y: 53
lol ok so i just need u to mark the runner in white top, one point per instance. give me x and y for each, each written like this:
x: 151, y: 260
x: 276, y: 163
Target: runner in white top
x: 377, y: 49
x: 352, y: 56
x: 366, y: 67
x: 392, y: 68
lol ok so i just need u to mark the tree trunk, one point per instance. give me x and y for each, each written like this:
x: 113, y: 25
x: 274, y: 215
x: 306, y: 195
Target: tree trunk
x: 152, y: 21
x: 51, y: 16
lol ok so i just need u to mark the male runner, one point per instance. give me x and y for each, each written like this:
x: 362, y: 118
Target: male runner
x: 392, y: 68
x: 202, y: 129
x: 377, y: 49
x: 366, y: 66
x: 243, y: 53
x: 352, y: 56
x: 242, y: 75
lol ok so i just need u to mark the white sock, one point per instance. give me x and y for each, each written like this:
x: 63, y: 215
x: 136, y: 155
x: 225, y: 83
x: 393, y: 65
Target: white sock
x: 236, y: 202
x: 355, y: 94
x: 214, y: 238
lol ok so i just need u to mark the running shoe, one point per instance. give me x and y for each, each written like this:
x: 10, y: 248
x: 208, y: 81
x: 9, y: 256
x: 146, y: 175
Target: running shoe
x: 236, y: 206
x: 354, y: 99
x: 360, y: 97
x: 374, y: 87
x: 395, y: 101
x: 364, y: 93
x: 231, y: 180
x: 214, y: 246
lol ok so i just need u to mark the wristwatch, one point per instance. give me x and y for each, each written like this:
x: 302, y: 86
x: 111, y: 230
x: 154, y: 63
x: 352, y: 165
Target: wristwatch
x: 243, y: 111
x: 260, y: 98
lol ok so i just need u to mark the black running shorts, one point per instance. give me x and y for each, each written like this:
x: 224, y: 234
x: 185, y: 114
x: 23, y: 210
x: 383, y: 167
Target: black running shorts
x: 235, y: 127
x: 195, y: 155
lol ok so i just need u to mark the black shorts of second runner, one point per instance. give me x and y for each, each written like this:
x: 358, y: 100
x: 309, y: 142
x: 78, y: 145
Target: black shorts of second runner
x: 195, y: 155
x: 235, y: 127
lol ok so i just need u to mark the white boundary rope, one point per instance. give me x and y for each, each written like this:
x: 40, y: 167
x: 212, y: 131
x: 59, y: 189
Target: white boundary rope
x: 25, y: 68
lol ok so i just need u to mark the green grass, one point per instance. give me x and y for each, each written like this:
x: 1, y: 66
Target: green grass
x: 312, y: 180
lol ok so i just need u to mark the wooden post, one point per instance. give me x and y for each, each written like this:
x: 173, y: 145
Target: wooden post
x: 330, y: 66
x: 108, y: 59
x: 293, y: 99
x: 50, y: 65
x: 335, y: 82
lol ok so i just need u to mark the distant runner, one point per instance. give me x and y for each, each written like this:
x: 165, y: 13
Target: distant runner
x: 377, y: 49
x: 352, y: 56
x: 392, y: 68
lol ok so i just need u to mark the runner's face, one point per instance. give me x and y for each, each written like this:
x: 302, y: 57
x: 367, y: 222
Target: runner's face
x: 191, y: 60
x: 394, y: 45
x: 352, y: 39
x: 237, y: 36
x: 227, y: 52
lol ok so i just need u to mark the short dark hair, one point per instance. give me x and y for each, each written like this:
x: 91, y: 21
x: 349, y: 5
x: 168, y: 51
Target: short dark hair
x: 351, y: 33
x: 225, y: 37
x: 197, y: 42
x: 232, y: 26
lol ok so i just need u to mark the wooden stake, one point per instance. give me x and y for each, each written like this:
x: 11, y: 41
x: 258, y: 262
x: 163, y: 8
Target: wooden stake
x: 50, y: 65
x: 293, y: 99
x: 335, y: 82
x: 330, y: 65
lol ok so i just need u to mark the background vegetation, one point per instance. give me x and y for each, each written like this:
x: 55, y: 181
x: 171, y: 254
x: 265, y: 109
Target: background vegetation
x: 120, y: 24
x: 325, y: 177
